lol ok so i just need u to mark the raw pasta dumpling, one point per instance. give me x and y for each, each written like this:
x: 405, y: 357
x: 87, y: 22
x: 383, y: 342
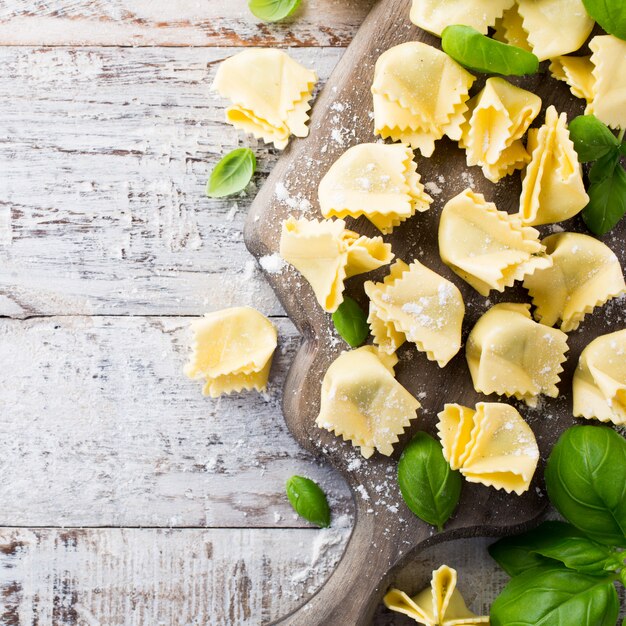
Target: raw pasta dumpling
x: 363, y: 402
x: 232, y: 350
x: 420, y: 95
x: 496, y: 120
x: 577, y: 72
x: 585, y: 274
x: 600, y: 380
x: 511, y: 355
x: 377, y: 180
x: 439, y: 605
x: 270, y: 94
x: 510, y: 29
x: 417, y: 304
x: 491, y: 445
x: 487, y: 248
x: 552, y: 186
x: 326, y: 253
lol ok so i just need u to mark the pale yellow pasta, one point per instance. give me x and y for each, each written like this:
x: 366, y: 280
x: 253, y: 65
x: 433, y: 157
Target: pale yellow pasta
x: 510, y: 29
x: 511, y: 355
x: 362, y: 402
x: 417, y: 304
x: 577, y: 72
x: 552, y: 186
x: 232, y: 350
x: 435, y: 15
x: 491, y: 445
x: 420, y: 95
x: 496, y: 119
x: 326, y: 253
x: 609, y: 87
x: 439, y: 605
x: 377, y: 180
x: 600, y: 380
x: 585, y: 274
x: 270, y: 94
x: 487, y: 248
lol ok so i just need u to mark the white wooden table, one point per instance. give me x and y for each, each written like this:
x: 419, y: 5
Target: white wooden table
x: 126, y: 498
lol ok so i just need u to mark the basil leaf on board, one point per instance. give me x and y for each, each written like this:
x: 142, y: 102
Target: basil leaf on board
x: 351, y: 322
x: 232, y: 174
x: 610, y: 14
x: 273, y: 10
x: 308, y: 500
x: 480, y: 53
x: 607, y: 195
x: 556, y: 596
x: 586, y: 480
x: 429, y: 487
x: 592, y: 139
x: 554, y: 541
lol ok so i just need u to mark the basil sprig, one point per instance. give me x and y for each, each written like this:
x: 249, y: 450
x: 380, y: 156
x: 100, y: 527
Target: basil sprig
x: 610, y: 14
x: 480, y: 53
x: 273, y: 10
x: 232, y: 174
x: 308, y: 500
x: 429, y: 487
x: 607, y: 179
x: 351, y: 322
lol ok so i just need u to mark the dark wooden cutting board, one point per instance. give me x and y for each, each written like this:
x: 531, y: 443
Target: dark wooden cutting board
x: 386, y: 532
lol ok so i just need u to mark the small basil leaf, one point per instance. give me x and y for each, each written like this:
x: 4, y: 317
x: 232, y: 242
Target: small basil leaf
x: 480, y: 53
x: 308, y: 500
x: 586, y: 480
x: 232, y: 174
x: 622, y: 149
x: 607, y: 195
x: 610, y: 14
x: 273, y: 10
x: 555, y: 596
x: 429, y: 487
x: 351, y: 322
x: 592, y: 139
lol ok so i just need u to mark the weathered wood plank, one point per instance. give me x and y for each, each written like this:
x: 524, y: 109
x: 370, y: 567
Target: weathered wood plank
x: 104, y: 155
x: 101, y: 428
x: 175, y: 23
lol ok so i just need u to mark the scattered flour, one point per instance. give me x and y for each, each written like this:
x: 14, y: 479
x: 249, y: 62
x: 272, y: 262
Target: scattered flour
x: 272, y: 263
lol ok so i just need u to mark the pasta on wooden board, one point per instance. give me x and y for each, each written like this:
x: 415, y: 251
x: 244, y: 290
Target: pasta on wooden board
x: 510, y: 29
x: 577, y: 72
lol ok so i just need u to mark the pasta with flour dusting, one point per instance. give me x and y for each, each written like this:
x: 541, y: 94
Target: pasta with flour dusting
x: 362, y: 401
x: 270, y: 94
x: 417, y: 304
x: 232, y: 350
x: 420, y: 95
x: 585, y: 274
x: 326, y: 253
x: 511, y: 355
x: 487, y: 248
x: 600, y: 380
x: 376, y: 180
x: 577, y: 72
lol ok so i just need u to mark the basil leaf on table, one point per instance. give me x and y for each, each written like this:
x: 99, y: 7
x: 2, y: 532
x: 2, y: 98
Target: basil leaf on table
x: 610, y: 14
x: 351, y: 322
x: 273, y: 10
x: 429, y: 487
x: 480, y: 53
x: 592, y: 139
x: 308, y: 500
x: 607, y: 195
x: 232, y: 174
x: 553, y: 595
x: 586, y: 480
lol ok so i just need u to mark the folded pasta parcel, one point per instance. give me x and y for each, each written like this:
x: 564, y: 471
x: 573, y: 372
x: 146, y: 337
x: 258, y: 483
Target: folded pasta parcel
x: 363, y: 402
x: 270, y: 94
x: 232, y: 350
x: 326, y: 253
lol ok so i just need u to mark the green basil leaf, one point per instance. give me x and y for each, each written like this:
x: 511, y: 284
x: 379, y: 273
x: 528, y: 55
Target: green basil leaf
x: 592, y: 139
x: 586, y: 480
x: 351, y: 322
x: 232, y: 174
x: 429, y: 487
x: 480, y: 53
x: 556, y: 596
x: 308, y: 500
x: 607, y: 195
x: 610, y: 14
x: 622, y: 149
x: 554, y: 541
x: 273, y: 10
